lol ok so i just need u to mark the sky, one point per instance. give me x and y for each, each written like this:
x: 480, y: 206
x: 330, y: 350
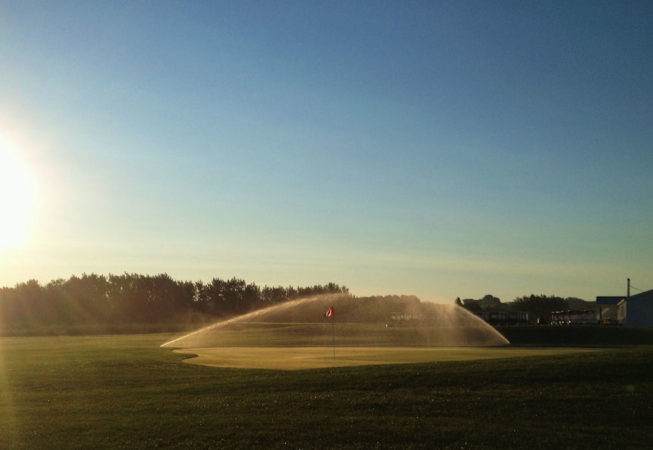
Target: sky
x: 437, y: 148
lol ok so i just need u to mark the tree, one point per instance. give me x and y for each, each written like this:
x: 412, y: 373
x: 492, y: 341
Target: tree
x: 539, y: 307
x: 120, y: 302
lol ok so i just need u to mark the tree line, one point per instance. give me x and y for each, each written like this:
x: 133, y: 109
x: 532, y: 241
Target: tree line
x: 134, y: 302
x: 538, y: 307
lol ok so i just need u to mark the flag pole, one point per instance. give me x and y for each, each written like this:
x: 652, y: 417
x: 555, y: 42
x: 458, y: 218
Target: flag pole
x: 329, y: 315
x: 333, y: 333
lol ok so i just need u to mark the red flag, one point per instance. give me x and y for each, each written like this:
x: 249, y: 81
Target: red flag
x: 329, y: 313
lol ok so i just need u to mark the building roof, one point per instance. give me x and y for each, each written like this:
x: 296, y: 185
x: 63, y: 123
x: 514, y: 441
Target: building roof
x: 646, y: 295
x: 607, y: 300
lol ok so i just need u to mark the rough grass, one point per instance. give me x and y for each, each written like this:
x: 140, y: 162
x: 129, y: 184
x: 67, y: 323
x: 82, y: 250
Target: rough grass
x: 126, y: 392
x: 578, y: 335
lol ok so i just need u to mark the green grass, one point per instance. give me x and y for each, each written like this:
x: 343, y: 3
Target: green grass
x: 578, y: 335
x: 300, y: 358
x: 126, y: 392
x: 267, y: 334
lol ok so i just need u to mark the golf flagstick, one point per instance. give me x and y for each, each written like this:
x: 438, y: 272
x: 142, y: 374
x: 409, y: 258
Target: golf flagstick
x: 329, y: 315
x: 333, y: 333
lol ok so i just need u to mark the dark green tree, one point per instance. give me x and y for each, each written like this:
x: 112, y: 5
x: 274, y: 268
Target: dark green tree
x: 539, y: 307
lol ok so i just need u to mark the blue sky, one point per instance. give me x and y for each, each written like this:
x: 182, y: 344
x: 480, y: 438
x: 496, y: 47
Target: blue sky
x: 434, y: 148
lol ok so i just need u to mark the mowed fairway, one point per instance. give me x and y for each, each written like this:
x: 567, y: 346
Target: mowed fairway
x: 299, y: 358
x: 126, y: 392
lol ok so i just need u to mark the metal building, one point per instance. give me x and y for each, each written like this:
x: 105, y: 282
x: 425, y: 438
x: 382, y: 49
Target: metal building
x: 636, y: 310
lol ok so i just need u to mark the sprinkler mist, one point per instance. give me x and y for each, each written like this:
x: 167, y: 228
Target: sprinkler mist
x: 357, y: 321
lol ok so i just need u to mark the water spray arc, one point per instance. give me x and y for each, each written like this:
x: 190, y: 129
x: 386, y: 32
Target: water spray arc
x: 367, y: 321
x: 252, y: 316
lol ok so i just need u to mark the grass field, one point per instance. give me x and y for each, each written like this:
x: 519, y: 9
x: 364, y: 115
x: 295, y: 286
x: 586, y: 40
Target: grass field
x: 126, y: 392
x: 300, y: 358
x: 271, y: 334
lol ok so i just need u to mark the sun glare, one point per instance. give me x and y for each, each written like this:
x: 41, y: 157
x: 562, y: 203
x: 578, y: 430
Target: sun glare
x: 16, y: 198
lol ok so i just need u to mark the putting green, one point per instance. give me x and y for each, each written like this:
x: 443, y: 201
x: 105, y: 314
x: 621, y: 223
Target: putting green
x: 298, y: 358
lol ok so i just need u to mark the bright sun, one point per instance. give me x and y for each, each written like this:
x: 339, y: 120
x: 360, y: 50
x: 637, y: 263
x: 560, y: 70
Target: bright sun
x: 16, y: 198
